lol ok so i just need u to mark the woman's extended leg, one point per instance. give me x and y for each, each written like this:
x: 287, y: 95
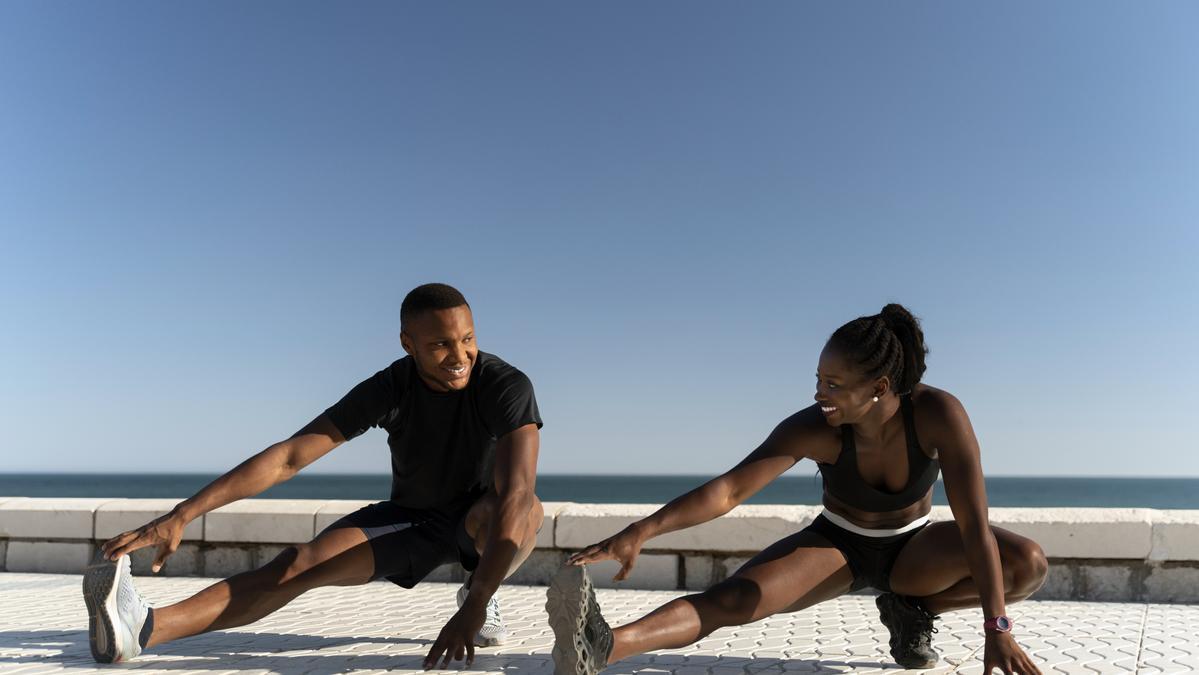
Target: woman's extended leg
x: 932, y: 568
x: 793, y: 573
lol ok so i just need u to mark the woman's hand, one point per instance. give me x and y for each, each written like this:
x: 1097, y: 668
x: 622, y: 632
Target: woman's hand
x: 623, y: 547
x: 1002, y: 652
x: 165, y: 532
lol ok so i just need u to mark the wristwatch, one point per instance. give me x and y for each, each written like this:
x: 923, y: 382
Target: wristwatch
x: 999, y: 624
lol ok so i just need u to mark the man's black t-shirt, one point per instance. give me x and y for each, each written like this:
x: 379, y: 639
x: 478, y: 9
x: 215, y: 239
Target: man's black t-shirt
x: 442, y: 443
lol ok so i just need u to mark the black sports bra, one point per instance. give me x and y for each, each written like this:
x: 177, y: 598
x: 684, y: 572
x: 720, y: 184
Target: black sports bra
x: 843, y: 481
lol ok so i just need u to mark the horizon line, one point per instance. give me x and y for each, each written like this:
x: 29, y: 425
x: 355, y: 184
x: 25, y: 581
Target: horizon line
x: 551, y: 473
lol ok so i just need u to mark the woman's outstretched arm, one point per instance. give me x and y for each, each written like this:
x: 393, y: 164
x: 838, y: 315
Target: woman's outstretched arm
x: 779, y: 452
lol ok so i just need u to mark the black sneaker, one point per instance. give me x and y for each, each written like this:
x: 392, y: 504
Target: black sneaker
x: 911, y: 630
x: 582, y: 639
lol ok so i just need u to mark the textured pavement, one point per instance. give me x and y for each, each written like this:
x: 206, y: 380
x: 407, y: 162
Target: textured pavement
x: 379, y: 626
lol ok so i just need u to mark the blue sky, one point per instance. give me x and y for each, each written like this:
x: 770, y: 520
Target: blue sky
x: 209, y: 213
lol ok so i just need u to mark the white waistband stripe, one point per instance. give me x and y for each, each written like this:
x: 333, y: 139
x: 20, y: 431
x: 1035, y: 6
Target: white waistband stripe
x: 844, y: 524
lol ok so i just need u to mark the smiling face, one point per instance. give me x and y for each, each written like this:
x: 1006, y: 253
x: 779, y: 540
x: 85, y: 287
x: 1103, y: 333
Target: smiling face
x: 843, y: 393
x: 442, y: 344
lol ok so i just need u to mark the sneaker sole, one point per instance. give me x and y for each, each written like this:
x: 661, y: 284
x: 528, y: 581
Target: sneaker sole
x: 481, y: 641
x: 912, y: 665
x: 100, y: 596
x: 568, y: 600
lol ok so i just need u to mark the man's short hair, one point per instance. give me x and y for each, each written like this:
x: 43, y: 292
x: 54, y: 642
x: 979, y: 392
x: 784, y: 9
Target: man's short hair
x: 429, y: 297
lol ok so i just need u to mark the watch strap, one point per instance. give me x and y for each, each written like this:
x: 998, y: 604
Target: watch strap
x: 998, y: 624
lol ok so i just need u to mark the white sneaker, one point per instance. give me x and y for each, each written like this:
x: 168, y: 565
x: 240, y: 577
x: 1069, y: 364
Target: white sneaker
x: 493, y: 632
x: 116, y: 612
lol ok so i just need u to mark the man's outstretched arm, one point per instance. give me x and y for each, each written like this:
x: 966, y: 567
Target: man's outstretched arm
x: 508, y: 527
x: 272, y: 466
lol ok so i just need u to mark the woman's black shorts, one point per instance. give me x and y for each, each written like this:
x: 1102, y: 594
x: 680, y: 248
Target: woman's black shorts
x: 870, y: 558
x: 410, y: 543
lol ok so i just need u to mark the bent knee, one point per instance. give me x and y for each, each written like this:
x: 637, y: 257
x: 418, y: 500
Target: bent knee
x: 536, y: 515
x: 478, y: 518
x: 1029, y: 567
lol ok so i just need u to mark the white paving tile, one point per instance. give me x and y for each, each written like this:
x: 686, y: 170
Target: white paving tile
x: 380, y: 627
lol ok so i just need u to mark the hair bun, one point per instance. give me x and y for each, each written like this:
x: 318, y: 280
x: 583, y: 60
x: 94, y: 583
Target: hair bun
x: 907, y: 328
x: 897, y: 315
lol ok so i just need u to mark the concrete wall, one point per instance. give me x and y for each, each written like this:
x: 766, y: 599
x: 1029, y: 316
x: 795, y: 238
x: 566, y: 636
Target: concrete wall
x: 1095, y: 554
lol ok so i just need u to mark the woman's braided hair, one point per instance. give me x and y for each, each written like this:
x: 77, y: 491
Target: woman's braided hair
x: 888, y: 343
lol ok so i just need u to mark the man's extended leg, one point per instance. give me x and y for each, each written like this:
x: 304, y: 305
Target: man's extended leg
x: 337, y: 557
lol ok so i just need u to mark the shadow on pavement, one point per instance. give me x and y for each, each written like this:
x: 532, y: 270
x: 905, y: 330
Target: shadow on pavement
x: 232, y: 650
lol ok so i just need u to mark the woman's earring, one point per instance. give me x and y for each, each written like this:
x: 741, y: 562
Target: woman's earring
x: 876, y: 399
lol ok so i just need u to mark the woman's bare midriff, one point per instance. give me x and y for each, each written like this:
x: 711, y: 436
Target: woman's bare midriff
x: 880, y: 521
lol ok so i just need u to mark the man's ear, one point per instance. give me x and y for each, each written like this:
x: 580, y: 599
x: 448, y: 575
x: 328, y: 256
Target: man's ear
x: 406, y: 342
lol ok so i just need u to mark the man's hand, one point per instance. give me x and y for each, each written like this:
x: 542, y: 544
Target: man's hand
x: 163, y: 532
x: 457, y: 638
x: 1002, y: 652
x: 624, y: 547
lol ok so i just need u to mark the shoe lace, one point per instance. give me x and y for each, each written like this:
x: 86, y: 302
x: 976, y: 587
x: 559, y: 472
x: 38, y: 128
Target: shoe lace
x: 493, y: 617
x: 128, y: 599
x: 922, y: 629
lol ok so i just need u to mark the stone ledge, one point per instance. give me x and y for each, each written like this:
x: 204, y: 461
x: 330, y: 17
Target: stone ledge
x: 1075, y: 533
x: 53, y: 557
x: 333, y: 511
x: 122, y: 515
x: 1096, y: 554
x: 274, y: 521
x: 653, y: 571
x: 1118, y: 534
x: 1175, y: 535
x: 545, y: 536
x: 65, y: 518
x: 1097, y: 533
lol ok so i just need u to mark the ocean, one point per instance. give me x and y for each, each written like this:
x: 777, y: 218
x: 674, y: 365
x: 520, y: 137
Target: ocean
x: 1157, y: 493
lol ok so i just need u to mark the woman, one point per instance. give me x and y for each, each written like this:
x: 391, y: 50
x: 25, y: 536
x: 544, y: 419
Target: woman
x: 879, y: 438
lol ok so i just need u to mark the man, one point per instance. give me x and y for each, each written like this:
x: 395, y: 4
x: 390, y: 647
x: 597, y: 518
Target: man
x: 463, y: 431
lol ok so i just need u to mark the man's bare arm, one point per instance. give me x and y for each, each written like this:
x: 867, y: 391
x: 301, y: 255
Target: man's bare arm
x: 515, y: 479
x: 272, y: 466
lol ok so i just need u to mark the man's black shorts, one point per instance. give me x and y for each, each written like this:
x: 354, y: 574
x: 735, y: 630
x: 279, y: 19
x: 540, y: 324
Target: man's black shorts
x: 410, y: 543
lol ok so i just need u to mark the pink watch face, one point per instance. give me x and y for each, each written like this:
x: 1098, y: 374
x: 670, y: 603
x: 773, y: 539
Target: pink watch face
x: 999, y: 623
